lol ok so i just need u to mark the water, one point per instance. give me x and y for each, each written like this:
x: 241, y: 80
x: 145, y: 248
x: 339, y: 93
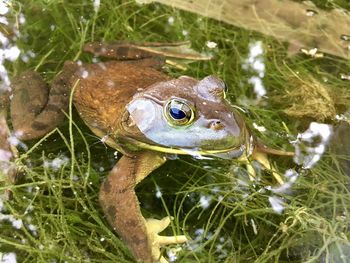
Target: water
x: 230, y: 214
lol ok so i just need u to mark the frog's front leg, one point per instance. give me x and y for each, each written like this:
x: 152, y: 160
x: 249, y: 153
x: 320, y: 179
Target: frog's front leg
x: 120, y: 204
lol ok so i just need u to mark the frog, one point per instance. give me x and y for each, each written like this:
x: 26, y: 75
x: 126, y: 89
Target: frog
x: 143, y: 113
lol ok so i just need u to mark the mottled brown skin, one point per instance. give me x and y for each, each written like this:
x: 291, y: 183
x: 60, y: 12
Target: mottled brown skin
x: 101, y: 106
x: 125, y: 214
x: 100, y: 98
x: 36, y: 110
x: 102, y: 94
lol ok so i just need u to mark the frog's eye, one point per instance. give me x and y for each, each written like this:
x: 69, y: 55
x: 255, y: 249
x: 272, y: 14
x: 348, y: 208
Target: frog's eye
x: 178, y: 112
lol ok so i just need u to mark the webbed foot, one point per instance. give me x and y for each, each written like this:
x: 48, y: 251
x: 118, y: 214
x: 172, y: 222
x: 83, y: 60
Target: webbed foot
x: 263, y: 160
x: 155, y: 226
x: 260, y: 153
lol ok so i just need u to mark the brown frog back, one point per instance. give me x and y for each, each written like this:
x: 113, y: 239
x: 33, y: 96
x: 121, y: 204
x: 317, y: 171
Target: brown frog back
x: 104, y: 89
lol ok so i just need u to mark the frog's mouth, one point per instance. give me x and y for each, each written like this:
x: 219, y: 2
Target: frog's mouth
x: 236, y: 152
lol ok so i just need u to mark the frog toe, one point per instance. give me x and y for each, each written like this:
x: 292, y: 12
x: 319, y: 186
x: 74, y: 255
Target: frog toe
x: 154, y: 227
x: 261, y: 157
x: 10, y: 174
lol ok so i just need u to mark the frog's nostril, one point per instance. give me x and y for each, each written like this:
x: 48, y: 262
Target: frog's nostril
x: 216, y: 125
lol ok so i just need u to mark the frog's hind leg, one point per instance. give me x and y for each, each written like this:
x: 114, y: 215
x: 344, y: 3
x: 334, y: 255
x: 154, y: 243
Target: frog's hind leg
x: 130, y: 51
x: 121, y: 207
x: 36, y: 109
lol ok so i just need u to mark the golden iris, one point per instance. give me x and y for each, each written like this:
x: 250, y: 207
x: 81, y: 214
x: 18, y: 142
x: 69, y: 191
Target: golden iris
x: 178, y: 112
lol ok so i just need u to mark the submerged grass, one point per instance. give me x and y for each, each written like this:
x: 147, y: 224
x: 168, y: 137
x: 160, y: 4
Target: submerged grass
x: 229, y: 218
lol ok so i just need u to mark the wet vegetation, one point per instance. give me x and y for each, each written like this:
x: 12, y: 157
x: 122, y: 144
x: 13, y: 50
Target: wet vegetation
x: 54, y: 215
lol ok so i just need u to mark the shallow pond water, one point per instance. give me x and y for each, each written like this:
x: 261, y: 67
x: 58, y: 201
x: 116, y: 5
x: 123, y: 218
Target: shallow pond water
x: 297, y: 103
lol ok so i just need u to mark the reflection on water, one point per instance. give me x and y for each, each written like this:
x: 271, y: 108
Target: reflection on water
x: 16, y: 223
x: 290, y: 177
x: 255, y: 64
x: 311, y: 144
x: 277, y: 204
x: 340, y: 143
x: 8, y: 257
x: 8, y: 51
x: 56, y: 163
x: 345, y: 76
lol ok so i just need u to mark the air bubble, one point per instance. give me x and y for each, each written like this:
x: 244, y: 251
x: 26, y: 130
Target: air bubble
x: 345, y: 37
x: 310, y: 12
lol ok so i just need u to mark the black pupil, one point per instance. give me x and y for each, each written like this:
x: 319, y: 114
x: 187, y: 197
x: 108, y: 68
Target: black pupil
x: 177, y: 114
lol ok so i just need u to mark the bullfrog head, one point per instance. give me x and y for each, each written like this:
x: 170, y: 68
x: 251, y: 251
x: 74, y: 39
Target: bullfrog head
x: 186, y: 116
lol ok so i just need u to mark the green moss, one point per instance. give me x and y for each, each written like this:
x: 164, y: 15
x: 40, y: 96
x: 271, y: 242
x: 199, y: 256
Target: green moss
x: 239, y: 224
